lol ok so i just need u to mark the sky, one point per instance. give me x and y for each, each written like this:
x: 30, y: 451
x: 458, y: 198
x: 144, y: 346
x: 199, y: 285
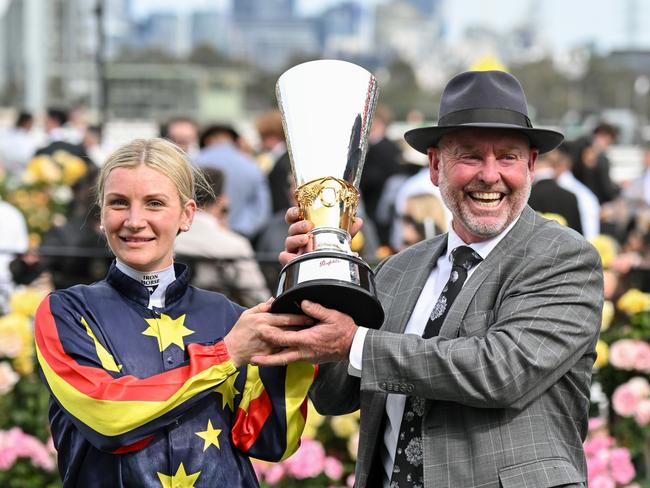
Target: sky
x: 563, y: 23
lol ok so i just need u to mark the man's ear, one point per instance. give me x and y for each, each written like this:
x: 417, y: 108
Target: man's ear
x: 433, y: 153
x: 531, y: 162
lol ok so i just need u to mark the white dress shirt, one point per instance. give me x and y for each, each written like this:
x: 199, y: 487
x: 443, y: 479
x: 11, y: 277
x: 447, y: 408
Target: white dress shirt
x: 416, y: 324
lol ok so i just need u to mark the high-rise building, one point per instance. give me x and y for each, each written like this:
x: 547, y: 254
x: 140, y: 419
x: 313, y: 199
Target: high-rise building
x: 211, y: 28
x: 252, y: 10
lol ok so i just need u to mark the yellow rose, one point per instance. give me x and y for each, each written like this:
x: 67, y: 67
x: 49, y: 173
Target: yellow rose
x: 608, y: 314
x: 73, y: 167
x: 344, y: 426
x: 314, y: 421
x: 557, y: 217
x: 26, y: 301
x: 602, y: 354
x: 24, y: 363
x: 634, y: 301
x: 607, y: 247
x: 16, y: 335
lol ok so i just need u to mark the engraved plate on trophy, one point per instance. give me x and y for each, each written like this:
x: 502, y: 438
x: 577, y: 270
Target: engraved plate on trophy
x: 327, y: 108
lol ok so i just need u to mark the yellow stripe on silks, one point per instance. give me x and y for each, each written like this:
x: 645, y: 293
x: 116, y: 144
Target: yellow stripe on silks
x: 253, y: 387
x: 108, y: 362
x: 113, y: 417
x: 299, y: 379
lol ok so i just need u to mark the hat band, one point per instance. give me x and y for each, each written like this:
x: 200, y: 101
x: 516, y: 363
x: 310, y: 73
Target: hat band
x: 484, y: 116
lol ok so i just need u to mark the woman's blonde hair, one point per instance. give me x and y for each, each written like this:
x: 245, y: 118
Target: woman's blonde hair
x: 427, y: 208
x: 159, y: 154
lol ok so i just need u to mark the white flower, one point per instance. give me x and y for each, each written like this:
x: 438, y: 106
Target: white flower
x: 8, y: 378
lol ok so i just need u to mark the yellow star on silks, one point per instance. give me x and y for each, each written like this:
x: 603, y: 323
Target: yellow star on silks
x: 180, y: 479
x: 210, y: 436
x: 168, y: 331
x: 228, y: 392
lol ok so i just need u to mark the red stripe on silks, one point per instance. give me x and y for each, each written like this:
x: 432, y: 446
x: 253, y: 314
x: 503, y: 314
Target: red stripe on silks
x: 136, y: 446
x: 98, y: 384
x: 248, y: 425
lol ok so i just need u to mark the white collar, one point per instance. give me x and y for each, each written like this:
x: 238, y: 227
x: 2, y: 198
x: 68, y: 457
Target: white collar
x: 484, y: 247
x: 156, y: 281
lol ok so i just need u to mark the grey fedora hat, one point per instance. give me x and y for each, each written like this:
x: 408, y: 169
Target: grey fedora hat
x: 483, y: 99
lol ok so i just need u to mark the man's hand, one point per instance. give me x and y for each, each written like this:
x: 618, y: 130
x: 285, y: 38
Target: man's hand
x: 299, y: 240
x: 328, y: 340
x: 246, y: 338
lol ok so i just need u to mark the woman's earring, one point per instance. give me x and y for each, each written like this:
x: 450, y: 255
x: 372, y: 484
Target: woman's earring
x: 101, y: 227
x: 185, y: 228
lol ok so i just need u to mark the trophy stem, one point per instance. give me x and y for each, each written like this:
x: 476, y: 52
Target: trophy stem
x: 331, y: 239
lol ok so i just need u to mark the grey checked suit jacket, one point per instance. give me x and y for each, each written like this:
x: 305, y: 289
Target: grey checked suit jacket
x: 506, y: 381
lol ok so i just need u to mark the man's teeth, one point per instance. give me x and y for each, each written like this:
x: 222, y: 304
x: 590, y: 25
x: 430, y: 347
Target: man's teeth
x: 487, y: 198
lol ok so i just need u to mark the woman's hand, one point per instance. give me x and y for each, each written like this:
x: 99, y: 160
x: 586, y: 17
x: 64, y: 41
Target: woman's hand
x: 299, y: 241
x: 246, y: 338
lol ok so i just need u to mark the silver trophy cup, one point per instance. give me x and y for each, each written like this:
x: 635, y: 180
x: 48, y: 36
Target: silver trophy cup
x: 327, y: 108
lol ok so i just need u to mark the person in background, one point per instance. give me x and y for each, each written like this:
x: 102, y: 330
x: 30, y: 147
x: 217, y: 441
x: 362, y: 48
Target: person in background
x: 18, y: 144
x: 591, y: 163
x: 182, y: 131
x: 245, y: 186
x: 271, y: 132
x: 588, y: 205
x: 58, y: 137
x: 548, y: 197
x: 14, y: 240
x: 149, y: 377
x: 382, y: 161
x: 234, y: 270
x: 423, y: 219
x: 480, y: 374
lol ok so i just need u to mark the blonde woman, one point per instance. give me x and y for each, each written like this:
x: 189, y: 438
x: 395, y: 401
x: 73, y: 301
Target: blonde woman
x: 149, y: 377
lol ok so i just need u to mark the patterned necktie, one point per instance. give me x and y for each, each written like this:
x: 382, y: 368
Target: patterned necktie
x: 408, y: 471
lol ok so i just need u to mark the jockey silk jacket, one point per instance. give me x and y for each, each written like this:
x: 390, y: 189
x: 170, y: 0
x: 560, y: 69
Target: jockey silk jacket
x: 150, y: 397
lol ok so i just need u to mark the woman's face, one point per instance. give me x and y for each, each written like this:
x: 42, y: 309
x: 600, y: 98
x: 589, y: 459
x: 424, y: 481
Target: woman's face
x: 141, y: 215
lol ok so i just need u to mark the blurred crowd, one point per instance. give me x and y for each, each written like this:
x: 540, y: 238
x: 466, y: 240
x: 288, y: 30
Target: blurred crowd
x: 240, y: 229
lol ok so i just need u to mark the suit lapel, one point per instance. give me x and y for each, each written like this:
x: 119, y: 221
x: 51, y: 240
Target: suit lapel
x: 522, y: 228
x: 412, y: 280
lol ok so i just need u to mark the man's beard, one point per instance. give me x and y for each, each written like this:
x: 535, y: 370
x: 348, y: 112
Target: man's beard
x: 475, y: 223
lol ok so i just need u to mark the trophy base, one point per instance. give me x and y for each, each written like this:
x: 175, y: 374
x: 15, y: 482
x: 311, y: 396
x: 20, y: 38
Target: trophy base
x: 334, y: 280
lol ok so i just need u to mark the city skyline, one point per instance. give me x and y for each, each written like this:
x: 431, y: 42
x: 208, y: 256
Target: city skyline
x: 607, y: 25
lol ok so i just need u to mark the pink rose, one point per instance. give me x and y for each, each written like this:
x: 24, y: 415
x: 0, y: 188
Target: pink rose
x: 274, y: 474
x: 308, y: 461
x: 8, y: 454
x: 333, y: 468
x: 596, y: 467
x: 621, y: 465
x: 621, y: 354
x: 349, y: 481
x: 602, y: 481
x: 596, y: 423
x: 642, y: 357
x: 640, y: 386
x: 597, y: 443
x: 625, y: 400
x: 642, y: 414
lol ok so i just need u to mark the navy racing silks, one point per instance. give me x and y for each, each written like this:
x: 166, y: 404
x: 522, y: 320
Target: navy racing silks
x: 151, y: 398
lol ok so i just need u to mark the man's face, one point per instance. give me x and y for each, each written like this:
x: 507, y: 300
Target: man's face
x: 184, y: 135
x: 484, y: 176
